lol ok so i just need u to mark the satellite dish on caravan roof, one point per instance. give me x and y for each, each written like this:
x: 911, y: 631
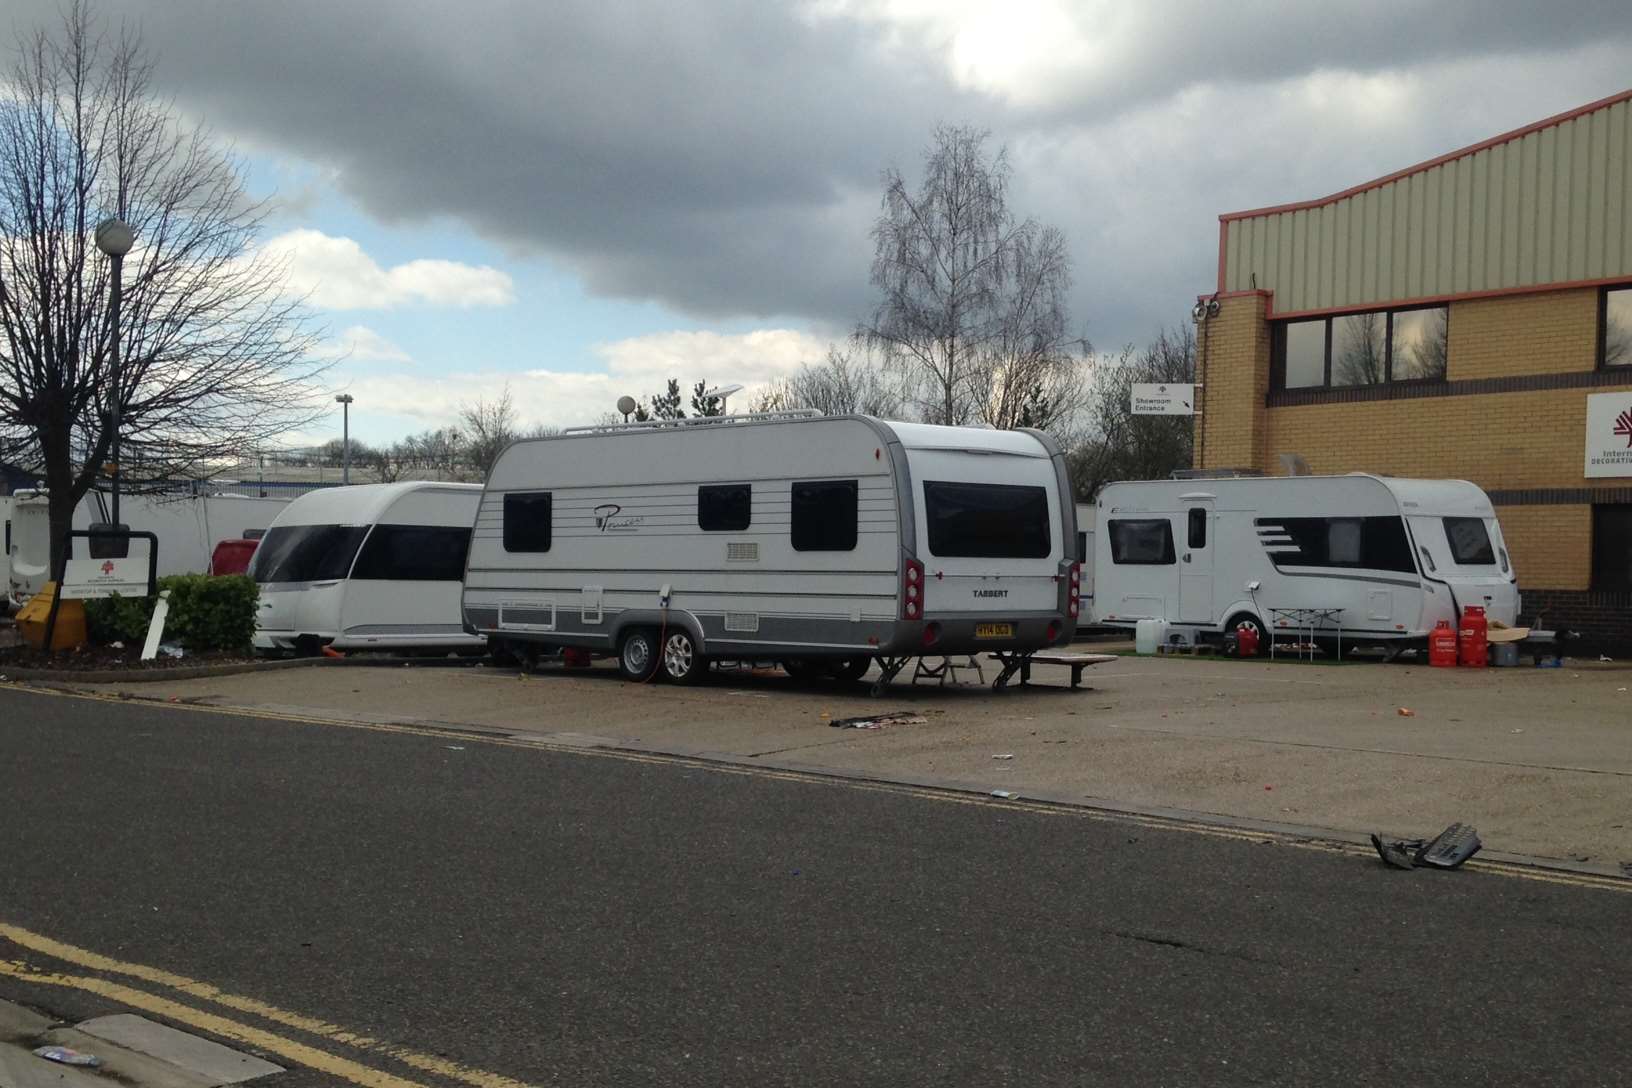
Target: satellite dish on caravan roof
x: 720, y: 392
x: 627, y: 405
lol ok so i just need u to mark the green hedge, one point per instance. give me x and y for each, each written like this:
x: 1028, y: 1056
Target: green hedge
x: 207, y: 614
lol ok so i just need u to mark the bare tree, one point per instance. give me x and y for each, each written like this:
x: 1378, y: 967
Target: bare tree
x: 1358, y: 349
x: 489, y: 426
x: 213, y: 353
x: 1032, y: 372
x: 1121, y: 445
x: 845, y: 383
x: 973, y: 312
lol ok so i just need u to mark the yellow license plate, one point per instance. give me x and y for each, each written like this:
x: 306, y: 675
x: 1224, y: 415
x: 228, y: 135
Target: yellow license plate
x: 994, y: 630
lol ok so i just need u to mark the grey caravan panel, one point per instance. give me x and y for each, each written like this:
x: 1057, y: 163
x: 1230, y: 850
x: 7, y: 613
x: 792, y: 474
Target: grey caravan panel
x: 1068, y: 531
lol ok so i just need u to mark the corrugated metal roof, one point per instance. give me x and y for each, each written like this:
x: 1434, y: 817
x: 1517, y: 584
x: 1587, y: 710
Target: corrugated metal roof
x: 1544, y: 205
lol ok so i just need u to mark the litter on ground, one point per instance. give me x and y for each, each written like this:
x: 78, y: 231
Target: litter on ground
x: 63, y: 1055
x: 1447, y: 850
x: 1406, y: 712
x: 879, y: 721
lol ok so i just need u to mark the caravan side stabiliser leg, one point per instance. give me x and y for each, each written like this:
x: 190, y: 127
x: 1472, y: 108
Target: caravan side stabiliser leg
x: 887, y: 669
x: 1012, y: 663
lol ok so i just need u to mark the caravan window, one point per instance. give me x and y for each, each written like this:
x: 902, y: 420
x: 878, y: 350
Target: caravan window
x: 1198, y: 527
x: 1377, y: 543
x: 986, y: 521
x: 1144, y: 542
x: 1470, y: 543
x: 528, y: 521
x: 824, y: 516
x: 413, y: 553
x: 724, y: 507
x: 306, y: 553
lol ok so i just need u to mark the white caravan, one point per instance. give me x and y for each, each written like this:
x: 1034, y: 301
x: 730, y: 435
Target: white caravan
x: 1381, y: 559
x: 368, y: 567
x: 819, y: 541
x: 188, y: 527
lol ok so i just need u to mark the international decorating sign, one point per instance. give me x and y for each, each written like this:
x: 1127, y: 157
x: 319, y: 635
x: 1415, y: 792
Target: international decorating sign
x: 1609, y: 434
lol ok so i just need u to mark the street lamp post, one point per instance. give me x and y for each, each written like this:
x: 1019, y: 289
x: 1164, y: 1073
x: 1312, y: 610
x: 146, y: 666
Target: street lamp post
x: 114, y: 237
x: 344, y: 400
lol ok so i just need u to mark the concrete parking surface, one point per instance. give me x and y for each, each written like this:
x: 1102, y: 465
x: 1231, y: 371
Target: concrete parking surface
x: 1540, y: 760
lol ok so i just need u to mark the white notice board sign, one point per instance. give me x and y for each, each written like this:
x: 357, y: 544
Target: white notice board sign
x: 1164, y: 400
x: 86, y: 579
x: 1609, y: 434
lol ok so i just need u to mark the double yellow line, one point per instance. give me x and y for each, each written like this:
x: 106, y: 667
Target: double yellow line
x: 218, y: 1024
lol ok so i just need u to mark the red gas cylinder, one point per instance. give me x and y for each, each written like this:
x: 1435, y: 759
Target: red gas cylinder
x: 1442, y: 645
x: 1472, y: 638
x: 1246, y: 642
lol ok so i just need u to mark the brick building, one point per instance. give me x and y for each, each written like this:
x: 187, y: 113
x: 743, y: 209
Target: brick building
x: 1460, y: 318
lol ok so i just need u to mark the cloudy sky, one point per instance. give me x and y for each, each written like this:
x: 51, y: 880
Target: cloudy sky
x: 581, y: 199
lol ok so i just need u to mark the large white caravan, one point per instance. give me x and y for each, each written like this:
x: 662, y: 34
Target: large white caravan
x: 187, y: 526
x: 374, y: 566
x: 820, y: 541
x: 1372, y: 559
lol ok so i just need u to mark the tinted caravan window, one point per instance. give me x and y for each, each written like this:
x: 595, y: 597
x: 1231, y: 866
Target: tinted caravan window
x: 527, y: 521
x: 1470, y: 543
x: 986, y: 521
x: 306, y: 553
x: 824, y: 516
x: 1142, y: 542
x: 413, y: 553
x: 1376, y: 543
x: 724, y: 507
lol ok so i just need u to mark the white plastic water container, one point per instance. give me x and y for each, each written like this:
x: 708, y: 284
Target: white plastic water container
x: 1148, y: 634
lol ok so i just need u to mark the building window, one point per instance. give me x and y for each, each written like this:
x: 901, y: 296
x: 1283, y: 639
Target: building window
x: 527, y: 521
x: 1612, y: 547
x: 1615, y: 327
x: 1361, y: 349
x: 1141, y: 542
x: 824, y: 516
x: 724, y: 507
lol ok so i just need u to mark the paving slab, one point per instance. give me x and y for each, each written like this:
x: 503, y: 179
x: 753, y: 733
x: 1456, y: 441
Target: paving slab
x: 18, y: 1024
x: 208, y: 1061
x: 129, y: 1066
x: 20, y: 1067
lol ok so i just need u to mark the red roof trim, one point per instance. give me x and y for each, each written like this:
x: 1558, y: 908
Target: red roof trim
x: 1556, y: 119
x: 1271, y: 314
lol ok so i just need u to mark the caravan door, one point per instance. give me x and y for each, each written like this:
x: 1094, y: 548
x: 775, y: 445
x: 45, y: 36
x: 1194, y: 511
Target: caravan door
x: 1196, y: 561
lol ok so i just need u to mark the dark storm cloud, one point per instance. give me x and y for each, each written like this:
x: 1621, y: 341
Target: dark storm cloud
x: 723, y: 157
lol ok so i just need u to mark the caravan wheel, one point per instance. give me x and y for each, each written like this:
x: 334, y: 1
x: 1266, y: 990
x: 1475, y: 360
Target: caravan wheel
x: 637, y: 656
x: 850, y: 669
x: 681, y: 661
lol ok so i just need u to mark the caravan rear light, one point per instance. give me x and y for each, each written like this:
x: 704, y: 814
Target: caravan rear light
x: 1073, y: 596
x: 912, y: 590
x: 932, y: 634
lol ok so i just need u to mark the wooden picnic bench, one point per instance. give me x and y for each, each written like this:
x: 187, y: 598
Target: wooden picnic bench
x: 1022, y: 663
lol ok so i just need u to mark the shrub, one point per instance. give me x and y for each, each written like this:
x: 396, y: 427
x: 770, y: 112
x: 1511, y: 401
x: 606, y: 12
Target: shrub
x: 207, y: 614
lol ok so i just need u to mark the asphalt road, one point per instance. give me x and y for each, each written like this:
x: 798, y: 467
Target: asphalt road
x: 560, y: 917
